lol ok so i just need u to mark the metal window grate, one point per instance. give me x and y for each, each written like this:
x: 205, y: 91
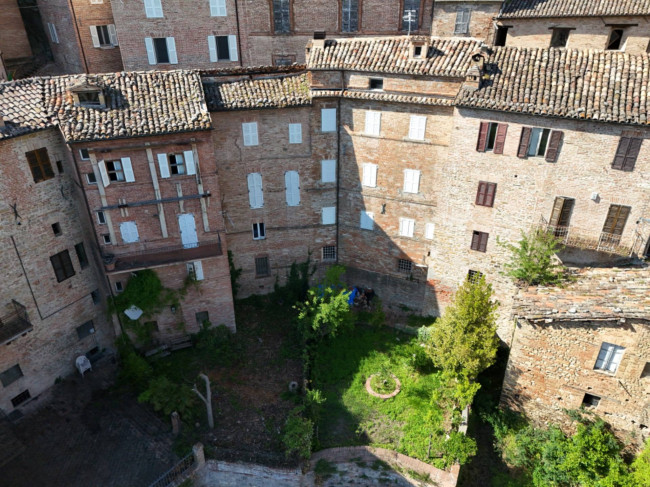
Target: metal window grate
x: 405, y: 266
x: 329, y: 252
x: 20, y: 398
x: 261, y: 266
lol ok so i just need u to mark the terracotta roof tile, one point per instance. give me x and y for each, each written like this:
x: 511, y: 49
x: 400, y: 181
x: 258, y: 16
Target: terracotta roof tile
x: 386, y: 97
x: 289, y: 91
x: 21, y: 108
x: 572, y: 8
x: 447, y: 57
x: 606, y: 86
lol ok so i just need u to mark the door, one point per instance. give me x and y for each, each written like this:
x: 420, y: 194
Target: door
x: 561, y: 216
x: 188, y: 230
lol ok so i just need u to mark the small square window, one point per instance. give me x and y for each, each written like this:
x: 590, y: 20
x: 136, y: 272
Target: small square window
x: 646, y: 371
x: 119, y: 287
x: 560, y: 37
x: 11, y: 375
x: 106, y: 238
x: 89, y: 98
x: 20, y: 398
x: 202, y: 318
x: 101, y: 219
x: 615, y: 40
x: 474, y: 276
x: 90, y: 178
x: 590, y: 401
x: 376, y: 84
x: 417, y: 51
x: 95, y: 296
x: 56, y: 228
x: 59, y: 167
x: 262, y: 266
x: 83, y: 154
x: 404, y: 265
x: 87, y: 329
x: 329, y: 252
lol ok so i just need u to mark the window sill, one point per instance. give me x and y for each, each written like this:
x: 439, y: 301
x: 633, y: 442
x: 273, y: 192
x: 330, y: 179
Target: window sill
x: 417, y: 141
x: 605, y: 372
x: 106, y: 47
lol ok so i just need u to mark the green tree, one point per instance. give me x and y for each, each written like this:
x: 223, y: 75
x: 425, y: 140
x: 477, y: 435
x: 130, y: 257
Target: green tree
x: 532, y: 259
x: 464, y: 340
x: 166, y: 396
x: 641, y: 468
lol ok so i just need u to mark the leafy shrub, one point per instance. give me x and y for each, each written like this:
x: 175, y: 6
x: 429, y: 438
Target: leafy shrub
x: 458, y: 448
x: 297, y: 284
x: 234, y: 275
x: 298, y: 434
x: 217, y: 345
x: 167, y: 397
x: 135, y: 371
x: 532, y: 260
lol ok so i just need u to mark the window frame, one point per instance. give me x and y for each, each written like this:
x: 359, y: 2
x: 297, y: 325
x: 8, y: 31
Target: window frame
x: 404, y: 26
x: 283, y: 20
x: 262, y: 264
x: 328, y: 253
x: 11, y: 375
x: 153, y: 7
x: 354, y: 14
x: 479, y: 241
x: 406, y: 227
x: 620, y: 46
x: 62, y: 265
x: 404, y: 266
x: 259, y: 229
x: 610, y: 358
x: 487, y: 199
x: 38, y: 159
x: 174, y: 165
x: 21, y: 398
x: 460, y: 13
x: 88, y: 178
x: 114, y: 173
x: 559, y: 34
x: 82, y: 257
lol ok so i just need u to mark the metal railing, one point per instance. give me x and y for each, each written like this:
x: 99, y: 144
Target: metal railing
x: 583, y: 239
x: 176, y: 474
x: 14, y: 323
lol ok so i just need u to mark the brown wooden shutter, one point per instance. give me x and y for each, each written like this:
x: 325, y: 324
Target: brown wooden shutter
x: 500, y: 141
x: 621, y: 152
x: 616, y: 219
x: 482, y: 136
x: 476, y: 240
x: 480, y: 194
x: 561, y: 214
x: 632, y: 153
x: 489, y: 197
x: 554, y: 145
x: 524, y: 142
x: 483, y: 241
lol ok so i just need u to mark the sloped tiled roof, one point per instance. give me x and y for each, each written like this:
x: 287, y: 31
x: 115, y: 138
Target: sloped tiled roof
x: 138, y: 104
x: 289, y: 91
x: 572, y: 8
x: 597, y: 85
x: 21, y: 108
x: 447, y: 57
x: 386, y: 97
x: 596, y: 294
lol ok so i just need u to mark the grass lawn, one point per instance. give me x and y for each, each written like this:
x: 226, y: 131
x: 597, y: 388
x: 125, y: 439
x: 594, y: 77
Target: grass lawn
x: 351, y: 416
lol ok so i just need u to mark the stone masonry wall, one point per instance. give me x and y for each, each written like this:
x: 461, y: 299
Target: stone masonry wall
x: 67, y: 52
x: 98, y: 59
x: 482, y: 14
x: 13, y: 38
x: 54, y: 308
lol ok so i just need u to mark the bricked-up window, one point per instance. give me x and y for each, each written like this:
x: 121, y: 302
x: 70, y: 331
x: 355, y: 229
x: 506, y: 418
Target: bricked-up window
x: 539, y: 142
x: 281, y: 16
x: 218, y: 8
x: 81, y: 255
x: 590, y: 401
x: 627, y: 153
x: 262, y: 268
x: 492, y: 137
x: 223, y: 48
x: 404, y: 265
x: 616, y: 219
x: 202, y: 317
x: 161, y: 50
x: 560, y: 37
x: 462, y: 21
x: 153, y: 8
x: 474, y: 276
x: 103, y: 35
x: 11, y: 375
x: 62, y: 265
x: 20, y: 398
x: 479, y: 241
x: 410, y: 15
x: 329, y: 252
x: 40, y: 165
x: 85, y: 330
x: 609, y: 357
x: 485, y: 193
x: 349, y: 15
x: 259, y: 231
x: 615, y: 40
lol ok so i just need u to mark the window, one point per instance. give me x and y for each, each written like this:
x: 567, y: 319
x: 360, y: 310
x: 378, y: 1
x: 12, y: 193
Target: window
x: 417, y: 51
x: 106, y: 238
x: 53, y: 35
x: 249, y: 129
x: 62, y: 266
x: 492, y: 137
x: 39, y: 163
x: 627, y: 153
x: 153, y: 8
x: 281, y: 16
x: 259, y: 232
x: 646, y: 371
x: 91, y: 178
x: 329, y: 252
x: 262, y: 266
x: 462, y: 21
x: 223, y: 48
x: 11, y: 375
x: 376, y: 84
x: 161, y: 50
x: 429, y: 230
x: 501, y: 35
x: 485, y: 193
x: 609, y: 357
x: 202, y: 318
x: 295, y: 133
x: 87, y: 329
x: 411, y: 15
x: 328, y: 119
x: 411, y: 181
x: 115, y: 171
x: 367, y: 220
x: 103, y: 35
x: 539, y: 142
x: 474, y: 276
x: 89, y: 98
x: 590, y: 401
x: 292, y: 187
x: 616, y: 219
x: 56, y: 229
x: 373, y: 123
x: 328, y: 215
x: 83, y: 154
x: 479, y: 241
x: 349, y: 15
x: 561, y: 215
x: 20, y: 398
x: 417, y: 127
x: 406, y: 227
x: 195, y: 270
x: 95, y: 296
x: 218, y: 8
x: 369, y: 175
x: 81, y: 255
x: 615, y: 40
x: 129, y: 231
x: 328, y: 171
x: 255, y: 194
x: 119, y: 287
x: 404, y: 265
x: 283, y: 60
x: 560, y: 37
x: 176, y: 164
x: 101, y: 218
x: 59, y: 167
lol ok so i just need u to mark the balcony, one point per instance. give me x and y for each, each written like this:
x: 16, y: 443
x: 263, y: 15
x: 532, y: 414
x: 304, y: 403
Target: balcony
x: 15, y: 323
x: 160, y: 256
x: 571, y: 236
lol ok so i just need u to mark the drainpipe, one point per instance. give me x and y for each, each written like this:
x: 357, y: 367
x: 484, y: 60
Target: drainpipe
x: 241, y: 63
x: 78, y: 36
x: 338, y: 164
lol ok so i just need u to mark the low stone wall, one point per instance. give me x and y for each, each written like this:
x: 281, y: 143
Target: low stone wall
x: 441, y: 478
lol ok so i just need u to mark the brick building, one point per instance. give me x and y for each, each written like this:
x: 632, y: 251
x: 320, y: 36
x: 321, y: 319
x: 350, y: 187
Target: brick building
x: 586, y: 345
x: 14, y: 45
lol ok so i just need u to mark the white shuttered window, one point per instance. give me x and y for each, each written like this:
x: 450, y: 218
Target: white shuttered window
x: 328, y: 119
x: 153, y: 8
x: 429, y: 229
x: 129, y: 231
x: 292, y: 187
x: 609, y: 357
x: 406, y: 227
x: 222, y: 48
x: 250, y: 133
x: 128, y: 170
x: 373, y: 123
x: 370, y: 175
x: 295, y: 133
x: 417, y: 127
x: 329, y: 215
x: 367, y: 220
x: 411, y: 180
x: 255, y: 193
x: 328, y: 171
x: 218, y: 8
x: 171, y: 50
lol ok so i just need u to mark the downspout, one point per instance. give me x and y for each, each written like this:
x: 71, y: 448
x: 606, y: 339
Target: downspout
x: 76, y: 29
x: 338, y: 165
x: 241, y: 63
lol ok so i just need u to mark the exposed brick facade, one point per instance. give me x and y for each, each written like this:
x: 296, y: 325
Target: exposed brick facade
x: 13, y: 37
x: 481, y: 18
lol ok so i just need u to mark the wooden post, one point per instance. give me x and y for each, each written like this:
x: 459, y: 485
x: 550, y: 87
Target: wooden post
x: 207, y: 399
x: 176, y: 423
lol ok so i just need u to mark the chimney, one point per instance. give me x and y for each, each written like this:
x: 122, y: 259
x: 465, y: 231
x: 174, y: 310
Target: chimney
x: 475, y: 72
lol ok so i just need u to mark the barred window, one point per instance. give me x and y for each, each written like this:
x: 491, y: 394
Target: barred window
x: 411, y: 15
x: 20, y: 398
x: 404, y: 265
x: 262, y: 266
x: 474, y: 276
x: 329, y: 252
x: 350, y: 16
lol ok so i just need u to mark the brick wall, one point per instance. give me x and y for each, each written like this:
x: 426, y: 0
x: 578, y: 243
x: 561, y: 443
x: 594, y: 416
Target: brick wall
x: 482, y: 14
x: 54, y: 308
x: 67, y: 52
x: 13, y: 38
x: 98, y: 59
